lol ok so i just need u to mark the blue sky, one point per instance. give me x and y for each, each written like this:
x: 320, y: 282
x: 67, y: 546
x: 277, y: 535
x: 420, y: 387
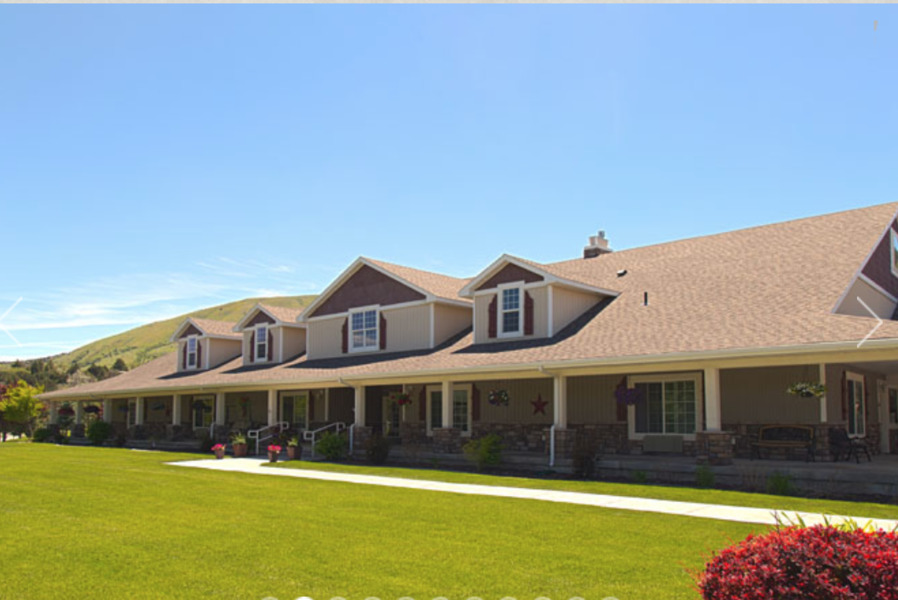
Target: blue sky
x: 160, y: 159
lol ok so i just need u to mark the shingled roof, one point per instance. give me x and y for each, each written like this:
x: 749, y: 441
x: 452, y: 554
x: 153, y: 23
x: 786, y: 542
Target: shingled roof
x: 436, y: 284
x: 765, y: 288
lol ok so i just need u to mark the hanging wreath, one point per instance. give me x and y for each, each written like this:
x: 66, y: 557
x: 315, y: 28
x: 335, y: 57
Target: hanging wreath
x: 198, y: 404
x: 93, y: 410
x: 628, y: 396
x: 400, y: 398
x: 66, y: 411
x: 498, y: 397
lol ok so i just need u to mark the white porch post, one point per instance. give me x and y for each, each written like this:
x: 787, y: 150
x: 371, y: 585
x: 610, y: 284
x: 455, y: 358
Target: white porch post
x: 107, y: 411
x: 54, y: 413
x: 79, y: 413
x: 559, y: 406
x: 823, y: 416
x: 176, y: 409
x: 359, y: 405
x: 219, y: 408
x: 447, y: 404
x: 272, y: 407
x: 138, y: 408
x: 712, y: 399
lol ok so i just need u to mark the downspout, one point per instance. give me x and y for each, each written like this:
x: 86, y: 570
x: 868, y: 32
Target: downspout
x: 543, y: 370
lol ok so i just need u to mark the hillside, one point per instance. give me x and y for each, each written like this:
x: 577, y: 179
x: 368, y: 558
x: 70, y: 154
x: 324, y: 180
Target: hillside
x: 142, y: 344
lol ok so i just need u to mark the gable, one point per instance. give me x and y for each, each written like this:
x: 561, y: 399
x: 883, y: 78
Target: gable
x: 260, y: 317
x: 879, y: 265
x: 191, y: 330
x: 508, y: 274
x: 366, y: 287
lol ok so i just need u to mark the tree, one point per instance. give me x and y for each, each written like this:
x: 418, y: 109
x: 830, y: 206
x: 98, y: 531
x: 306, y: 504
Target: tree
x: 21, y: 405
x: 120, y: 365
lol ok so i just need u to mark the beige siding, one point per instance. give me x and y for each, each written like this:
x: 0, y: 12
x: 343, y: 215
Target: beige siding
x: 758, y: 396
x: 590, y: 400
x: 568, y: 304
x: 540, y: 316
x: 448, y: 321
x: 521, y: 393
x: 482, y: 318
x: 540, y: 311
x: 221, y: 351
x: 154, y: 414
x: 876, y: 300
x: 294, y: 342
x: 325, y: 338
x: 253, y: 414
x: 342, y: 405
x: 407, y: 328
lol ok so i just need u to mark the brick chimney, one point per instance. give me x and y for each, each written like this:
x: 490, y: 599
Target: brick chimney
x: 597, y: 246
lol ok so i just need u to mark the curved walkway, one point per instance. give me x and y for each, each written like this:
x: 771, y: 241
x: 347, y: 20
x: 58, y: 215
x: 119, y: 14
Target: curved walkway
x: 741, y: 514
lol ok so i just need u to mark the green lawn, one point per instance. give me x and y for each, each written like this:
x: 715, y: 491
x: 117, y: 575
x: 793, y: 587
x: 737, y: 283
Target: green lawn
x: 112, y: 523
x: 730, y: 498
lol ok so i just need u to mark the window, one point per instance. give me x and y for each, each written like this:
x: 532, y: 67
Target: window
x: 667, y: 405
x: 132, y: 412
x: 510, y: 312
x: 392, y: 419
x: 893, y: 406
x: 202, y: 411
x: 857, y: 414
x: 894, y: 252
x: 363, y: 330
x: 191, y: 352
x: 461, y: 410
x: 435, y: 418
x: 293, y: 409
x: 261, y: 342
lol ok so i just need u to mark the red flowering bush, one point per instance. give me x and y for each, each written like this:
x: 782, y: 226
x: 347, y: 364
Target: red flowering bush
x: 814, y: 563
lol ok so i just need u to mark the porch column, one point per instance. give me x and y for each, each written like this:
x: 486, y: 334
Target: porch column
x: 712, y: 399
x: 138, y: 417
x: 79, y: 413
x: 107, y: 411
x: 447, y: 404
x: 176, y: 409
x: 54, y: 412
x: 359, y: 398
x: 559, y: 406
x: 219, y: 408
x: 272, y: 407
x: 823, y: 415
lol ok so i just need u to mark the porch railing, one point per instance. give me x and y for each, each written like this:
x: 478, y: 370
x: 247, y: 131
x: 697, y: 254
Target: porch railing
x: 266, y: 433
x: 312, y: 436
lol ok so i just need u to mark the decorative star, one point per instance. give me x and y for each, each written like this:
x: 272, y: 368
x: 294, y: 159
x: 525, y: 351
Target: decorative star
x: 539, y: 405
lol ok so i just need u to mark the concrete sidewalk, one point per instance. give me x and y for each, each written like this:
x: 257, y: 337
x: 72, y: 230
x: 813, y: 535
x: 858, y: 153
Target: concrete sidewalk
x: 720, y: 512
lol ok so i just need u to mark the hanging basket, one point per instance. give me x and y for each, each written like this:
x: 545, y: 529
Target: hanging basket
x: 498, y: 397
x: 92, y: 410
x: 66, y: 411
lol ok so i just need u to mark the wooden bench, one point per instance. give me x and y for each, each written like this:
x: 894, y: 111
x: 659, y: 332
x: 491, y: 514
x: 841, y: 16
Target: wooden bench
x: 787, y: 437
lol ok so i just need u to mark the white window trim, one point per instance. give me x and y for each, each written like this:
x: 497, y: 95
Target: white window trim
x: 500, y: 329
x: 196, y: 362
x: 267, y: 329
x: 364, y: 309
x: 632, y: 380
x: 858, y: 378
x: 893, y: 239
x: 455, y: 387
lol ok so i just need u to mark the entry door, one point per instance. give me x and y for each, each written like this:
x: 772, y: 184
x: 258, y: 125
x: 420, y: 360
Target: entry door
x: 392, y: 416
x: 294, y: 409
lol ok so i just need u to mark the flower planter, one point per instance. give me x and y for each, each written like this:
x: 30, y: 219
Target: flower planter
x: 219, y: 454
x: 239, y: 450
x: 294, y: 452
x: 273, y: 457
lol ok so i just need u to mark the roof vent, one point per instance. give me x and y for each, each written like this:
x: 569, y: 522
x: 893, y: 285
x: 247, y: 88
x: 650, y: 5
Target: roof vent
x: 622, y: 272
x: 597, y: 246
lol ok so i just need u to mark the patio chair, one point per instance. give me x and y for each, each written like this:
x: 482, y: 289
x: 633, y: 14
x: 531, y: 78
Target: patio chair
x: 840, y: 444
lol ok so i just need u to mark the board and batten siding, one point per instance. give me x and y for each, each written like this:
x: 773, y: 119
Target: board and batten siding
x: 408, y: 328
x: 568, y: 304
x: 325, y: 337
x: 449, y: 321
x: 294, y: 342
x: 759, y: 396
x: 521, y: 393
x: 590, y: 400
x: 878, y: 302
x: 221, y: 351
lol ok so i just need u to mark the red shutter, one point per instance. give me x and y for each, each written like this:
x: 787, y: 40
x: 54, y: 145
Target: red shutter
x: 844, y: 397
x: 422, y: 403
x: 311, y: 410
x: 494, y: 317
x: 528, y: 314
x: 383, y: 332
x: 184, y: 357
x: 345, y: 336
x: 270, y: 338
x: 252, y: 347
x: 199, y: 355
x: 475, y: 403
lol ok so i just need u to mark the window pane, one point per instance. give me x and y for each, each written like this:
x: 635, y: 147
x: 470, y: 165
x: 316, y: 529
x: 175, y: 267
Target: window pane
x: 371, y: 318
x: 261, y: 350
x: 679, y: 407
x: 263, y: 334
x: 191, y: 344
x: 358, y: 320
x: 370, y: 337
x: 288, y: 410
x: 436, y: 410
x: 460, y: 410
x: 510, y: 299
x: 511, y: 321
x: 358, y: 339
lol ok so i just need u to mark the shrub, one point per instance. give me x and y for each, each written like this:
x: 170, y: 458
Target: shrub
x: 42, y: 435
x: 640, y: 477
x: 813, y: 563
x: 98, y: 432
x: 584, y: 456
x: 485, y: 452
x: 332, y: 446
x: 377, y: 449
x: 780, y: 484
x: 704, y: 477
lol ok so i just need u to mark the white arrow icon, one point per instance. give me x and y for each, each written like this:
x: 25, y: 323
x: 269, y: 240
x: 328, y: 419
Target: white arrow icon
x: 875, y: 316
x: 4, y: 329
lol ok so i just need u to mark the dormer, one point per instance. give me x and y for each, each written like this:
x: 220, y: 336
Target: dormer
x: 205, y: 344
x: 516, y: 299
x: 375, y: 307
x: 271, y: 335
